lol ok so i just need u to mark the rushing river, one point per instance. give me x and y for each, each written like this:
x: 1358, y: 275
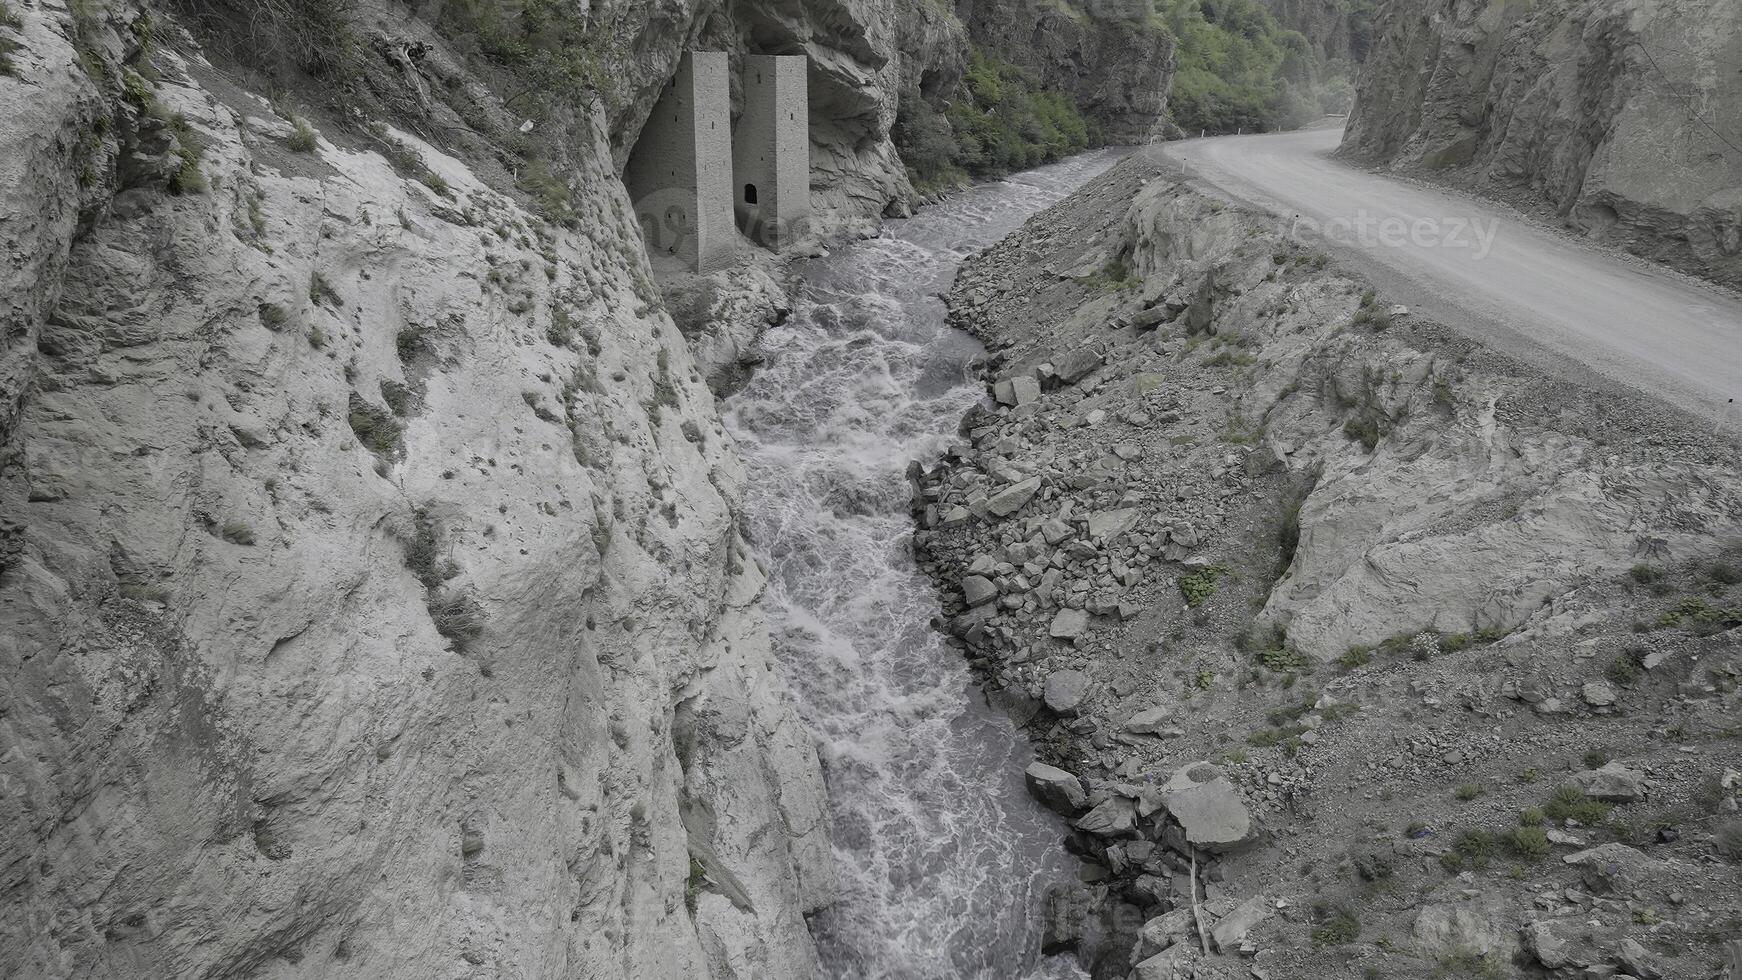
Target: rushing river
x: 944, y: 858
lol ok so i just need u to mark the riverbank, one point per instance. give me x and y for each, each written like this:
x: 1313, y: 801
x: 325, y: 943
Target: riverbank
x: 1236, y: 518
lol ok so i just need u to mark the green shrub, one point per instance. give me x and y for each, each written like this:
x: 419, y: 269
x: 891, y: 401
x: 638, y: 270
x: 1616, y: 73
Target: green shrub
x: 1468, y: 791
x: 1571, y: 803
x: 1230, y: 66
x: 1530, y: 816
x: 1473, y: 849
x: 302, y: 136
x: 1198, y: 586
x: 273, y: 317
x: 1372, y: 319
x: 189, y: 150
x: 999, y: 121
x: 1281, y: 659
x: 1624, y: 669
x: 1528, y: 842
x: 1724, y: 573
x: 1354, y: 657
x: 1645, y: 574
x: 1336, y: 927
x: 1366, y: 428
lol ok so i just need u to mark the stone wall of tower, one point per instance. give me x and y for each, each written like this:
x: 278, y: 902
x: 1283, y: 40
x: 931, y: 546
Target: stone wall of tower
x: 679, y: 173
x: 771, y: 151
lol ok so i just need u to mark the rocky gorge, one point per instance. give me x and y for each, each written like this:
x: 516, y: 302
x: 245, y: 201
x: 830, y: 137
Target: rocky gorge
x: 375, y: 590
x: 403, y: 575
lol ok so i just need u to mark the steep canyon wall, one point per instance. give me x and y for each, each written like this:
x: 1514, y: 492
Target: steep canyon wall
x: 1619, y: 116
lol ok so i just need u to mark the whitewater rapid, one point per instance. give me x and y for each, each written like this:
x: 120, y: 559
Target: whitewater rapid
x: 944, y: 859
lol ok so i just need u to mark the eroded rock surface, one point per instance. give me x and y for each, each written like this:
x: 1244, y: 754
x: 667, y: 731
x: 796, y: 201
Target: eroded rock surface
x: 371, y: 598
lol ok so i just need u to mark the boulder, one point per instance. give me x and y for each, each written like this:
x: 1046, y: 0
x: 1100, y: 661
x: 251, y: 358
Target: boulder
x: 1077, y: 365
x: 1207, y: 806
x: 1614, y: 782
x: 1059, y: 790
x: 1231, y: 929
x: 1109, y: 523
x: 1016, y: 391
x: 1069, y: 624
x: 1114, y: 817
x: 1449, y: 928
x: 978, y: 590
x: 1065, y: 691
x: 1163, y: 931
x: 1611, y: 867
x: 1068, y: 908
x: 1012, y: 498
x: 1149, y: 721
x: 1168, y: 964
x: 1556, y: 943
x: 1639, y: 961
x: 1598, y: 694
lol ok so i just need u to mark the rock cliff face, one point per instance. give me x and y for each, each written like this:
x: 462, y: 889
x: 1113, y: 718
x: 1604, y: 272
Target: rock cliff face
x: 1620, y: 115
x: 1106, y: 56
x: 1338, y: 30
x: 371, y: 596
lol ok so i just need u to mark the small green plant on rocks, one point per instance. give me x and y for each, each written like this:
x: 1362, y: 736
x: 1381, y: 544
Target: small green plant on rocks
x: 1571, y: 803
x: 1474, y: 849
x: 273, y: 317
x: 302, y: 136
x: 1336, y: 927
x: 1198, y: 586
x: 1528, y: 842
x: 375, y: 427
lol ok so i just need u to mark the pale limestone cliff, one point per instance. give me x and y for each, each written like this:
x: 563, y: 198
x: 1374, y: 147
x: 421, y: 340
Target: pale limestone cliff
x: 1619, y: 115
x: 372, y: 602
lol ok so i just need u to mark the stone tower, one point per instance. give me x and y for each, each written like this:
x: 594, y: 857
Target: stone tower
x: 679, y: 174
x: 771, y: 151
